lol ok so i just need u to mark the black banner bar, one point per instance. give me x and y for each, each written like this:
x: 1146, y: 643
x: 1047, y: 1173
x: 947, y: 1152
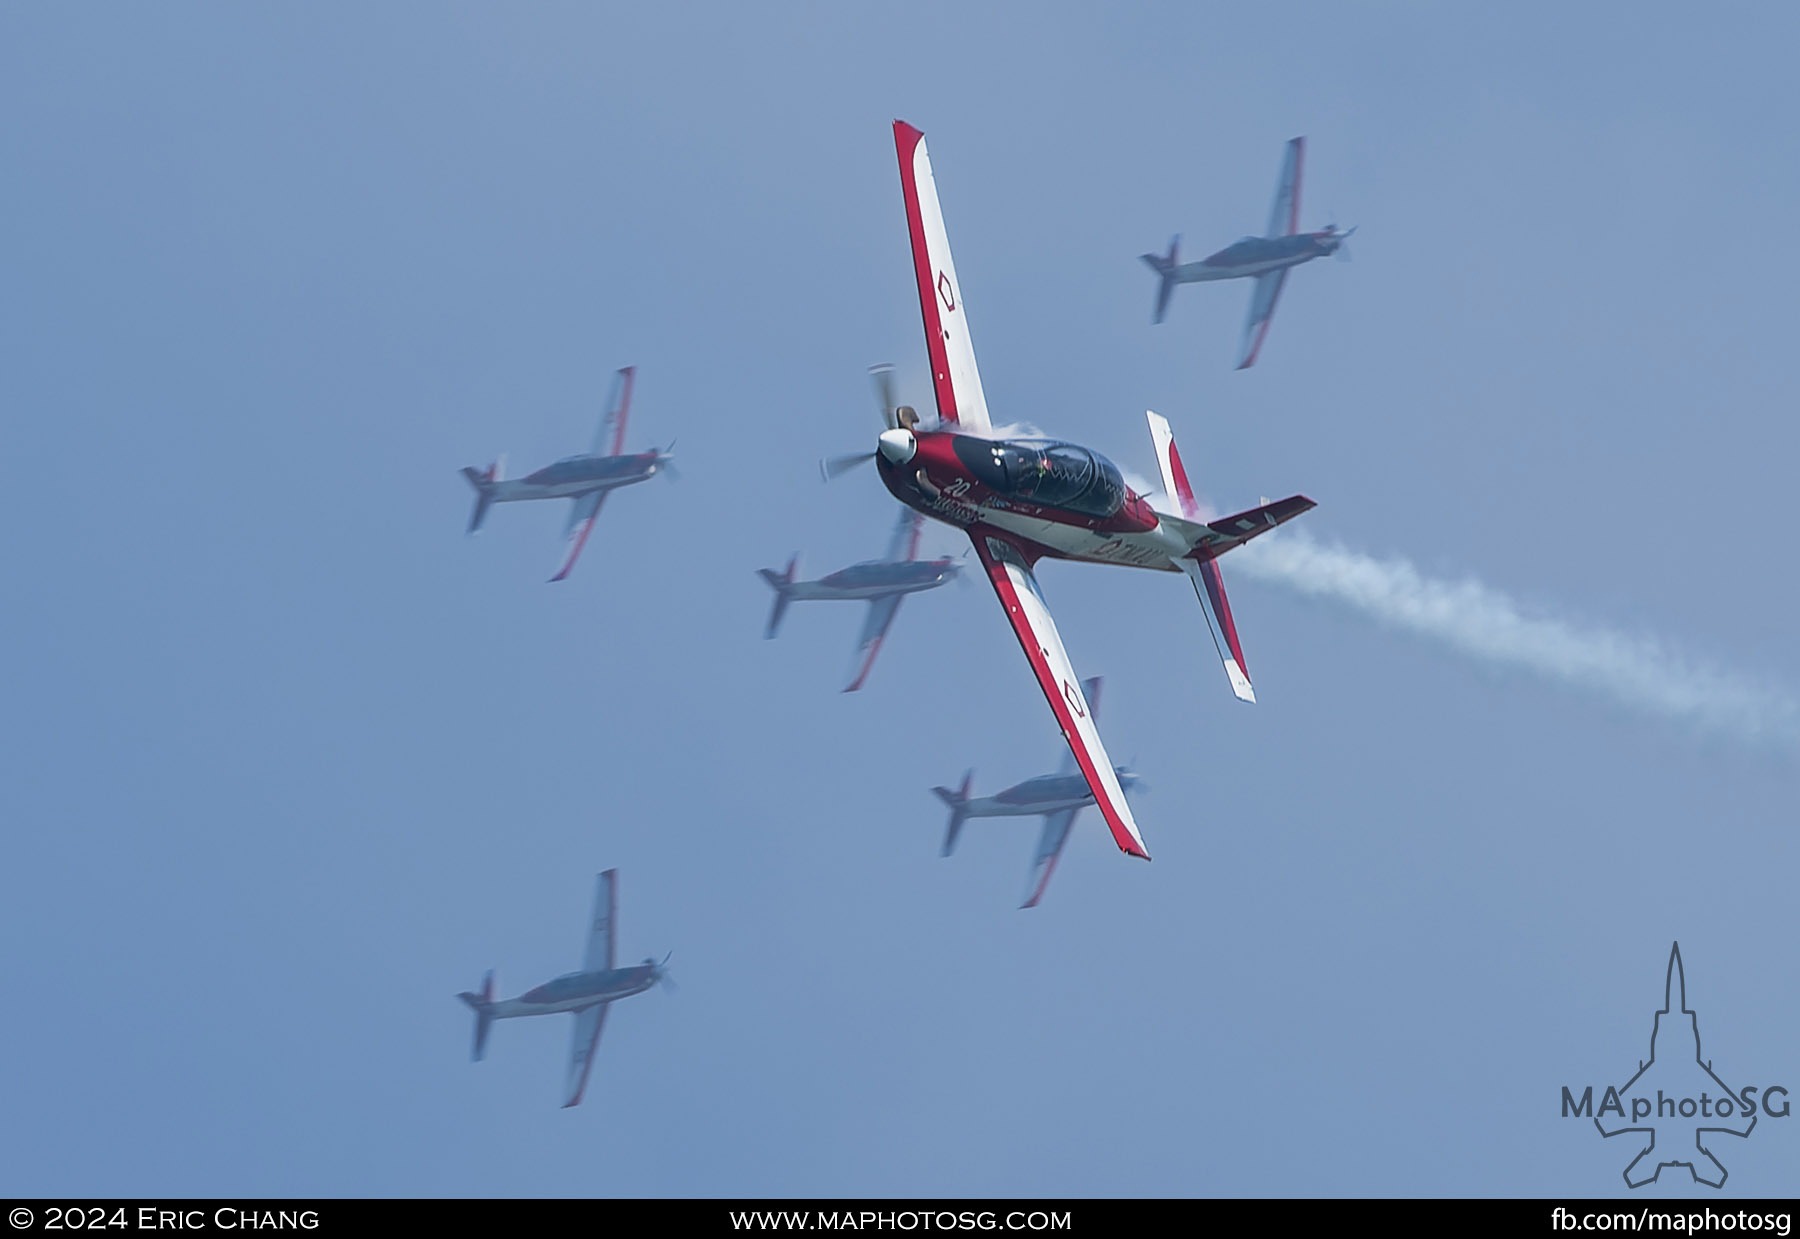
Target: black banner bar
x: 1572, y: 1217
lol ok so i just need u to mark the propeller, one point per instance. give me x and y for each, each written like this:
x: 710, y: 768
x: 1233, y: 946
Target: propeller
x: 665, y: 462
x: 894, y: 417
x: 1342, y: 251
x: 659, y: 974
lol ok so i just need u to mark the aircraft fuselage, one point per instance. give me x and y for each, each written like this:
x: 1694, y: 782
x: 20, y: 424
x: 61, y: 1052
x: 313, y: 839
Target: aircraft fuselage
x: 876, y: 578
x: 576, y: 991
x: 1047, y: 793
x: 574, y: 476
x: 1061, y: 500
x: 1254, y: 256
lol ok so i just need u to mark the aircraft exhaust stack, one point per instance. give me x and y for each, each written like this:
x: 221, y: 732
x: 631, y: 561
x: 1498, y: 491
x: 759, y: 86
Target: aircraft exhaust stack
x: 483, y: 481
x: 958, y: 801
x: 483, y: 1006
x: 1164, y: 265
x: 780, y: 583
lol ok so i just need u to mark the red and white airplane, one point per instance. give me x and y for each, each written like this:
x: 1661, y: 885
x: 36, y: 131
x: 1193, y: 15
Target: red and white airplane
x: 586, y: 993
x: 587, y: 478
x: 881, y: 583
x: 1056, y: 798
x: 1265, y: 259
x: 1022, y: 500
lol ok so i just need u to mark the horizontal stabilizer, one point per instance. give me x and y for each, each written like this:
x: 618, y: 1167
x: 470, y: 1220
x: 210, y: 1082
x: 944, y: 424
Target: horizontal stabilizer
x: 779, y: 582
x: 1164, y: 266
x: 958, y: 800
x: 483, y: 482
x: 483, y: 1005
x: 1214, y: 538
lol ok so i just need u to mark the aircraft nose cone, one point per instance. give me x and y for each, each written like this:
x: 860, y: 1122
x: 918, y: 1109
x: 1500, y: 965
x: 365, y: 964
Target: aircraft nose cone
x: 897, y: 446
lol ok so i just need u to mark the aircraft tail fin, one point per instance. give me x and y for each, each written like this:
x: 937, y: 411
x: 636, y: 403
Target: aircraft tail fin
x: 483, y: 1005
x: 483, y: 480
x: 780, y: 582
x: 958, y: 800
x: 1164, y: 265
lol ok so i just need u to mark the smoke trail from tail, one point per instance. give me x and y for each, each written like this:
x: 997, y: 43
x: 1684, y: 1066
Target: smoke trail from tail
x: 1636, y: 671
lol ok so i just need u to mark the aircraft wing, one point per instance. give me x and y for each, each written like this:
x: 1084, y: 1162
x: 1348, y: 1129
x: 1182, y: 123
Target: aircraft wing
x: 1262, y: 310
x: 875, y: 630
x: 600, y: 950
x: 1091, y: 687
x: 1049, y: 850
x: 903, y: 544
x: 954, y: 377
x: 581, y: 524
x: 610, y: 440
x: 1284, y: 215
x: 582, y: 1045
x: 1009, y: 571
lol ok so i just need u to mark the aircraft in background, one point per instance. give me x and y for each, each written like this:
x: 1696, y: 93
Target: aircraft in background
x: 1057, y: 798
x: 1021, y: 500
x: 1265, y: 259
x: 587, y: 478
x: 586, y: 992
x: 882, y: 583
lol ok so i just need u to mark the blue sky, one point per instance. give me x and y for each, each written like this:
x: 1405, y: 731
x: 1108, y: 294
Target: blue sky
x: 290, y: 760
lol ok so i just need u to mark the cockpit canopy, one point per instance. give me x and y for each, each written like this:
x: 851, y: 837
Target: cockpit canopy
x: 1044, y: 472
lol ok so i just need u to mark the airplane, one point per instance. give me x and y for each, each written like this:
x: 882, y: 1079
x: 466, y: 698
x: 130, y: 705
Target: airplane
x: 1022, y: 500
x: 1265, y: 259
x: 586, y: 478
x: 882, y: 583
x: 586, y: 993
x: 1057, y: 798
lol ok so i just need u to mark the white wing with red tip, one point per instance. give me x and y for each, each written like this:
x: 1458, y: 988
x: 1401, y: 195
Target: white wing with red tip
x: 581, y: 523
x: 582, y: 1045
x: 1049, y: 850
x: 1262, y: 313
x: 953, y: 374
x: 600, y: 951
x: 610, y: 440
x: 1009, y: 571
x: 874, y: 631
x: 1284, y: 215
x: 903, y: 543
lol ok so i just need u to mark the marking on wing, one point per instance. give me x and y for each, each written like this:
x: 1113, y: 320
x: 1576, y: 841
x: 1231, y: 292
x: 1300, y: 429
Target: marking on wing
x: 1070, y: 695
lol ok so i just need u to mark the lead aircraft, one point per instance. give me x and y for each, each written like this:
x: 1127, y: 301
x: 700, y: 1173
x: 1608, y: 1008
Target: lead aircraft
x: 586, y: 478
x: 586, y: 993
x: 1022, y: 500
x: 1265, y: 259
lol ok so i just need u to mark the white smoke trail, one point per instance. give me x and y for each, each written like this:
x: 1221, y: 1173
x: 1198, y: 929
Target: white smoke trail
x: 1635, y: 671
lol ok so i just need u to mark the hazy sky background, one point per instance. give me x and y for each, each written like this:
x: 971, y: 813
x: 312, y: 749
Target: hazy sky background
x: 289, y: 760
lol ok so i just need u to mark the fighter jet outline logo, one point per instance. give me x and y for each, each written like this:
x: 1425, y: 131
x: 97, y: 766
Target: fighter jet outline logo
x: 1677, y: 1138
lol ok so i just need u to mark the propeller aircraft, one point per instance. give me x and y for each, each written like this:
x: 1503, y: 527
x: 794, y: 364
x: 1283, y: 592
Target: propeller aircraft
x: 882, y: 583
x: 586, y: 993
x: 1057, y: 798
x: 1023, y: 500
x: 586, y: 478
x: 1265, y: 259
